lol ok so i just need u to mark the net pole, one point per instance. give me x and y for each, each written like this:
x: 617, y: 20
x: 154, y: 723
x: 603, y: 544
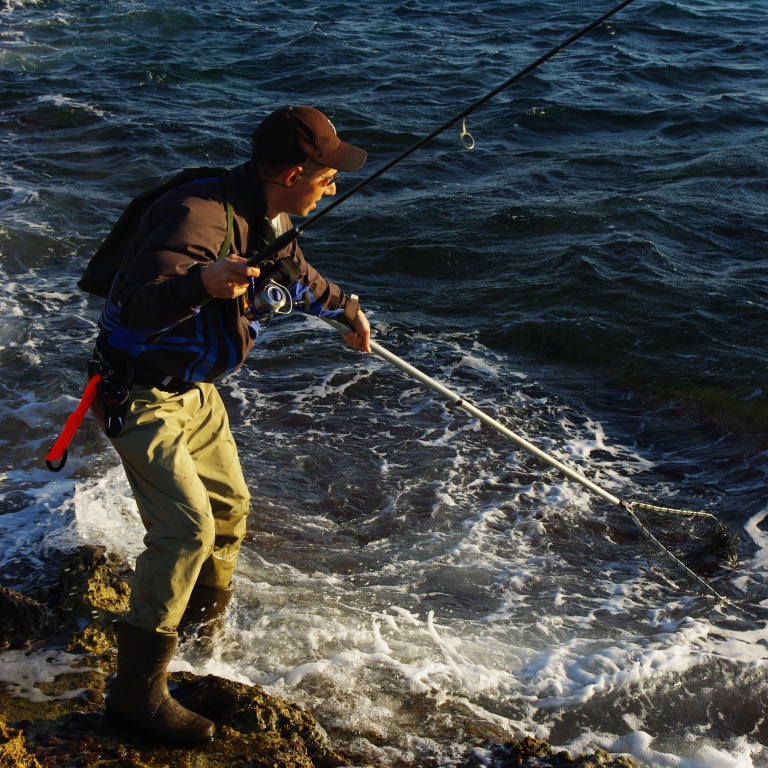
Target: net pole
x: 457, y: 400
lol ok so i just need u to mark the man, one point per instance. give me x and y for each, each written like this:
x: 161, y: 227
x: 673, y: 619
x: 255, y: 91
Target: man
x: 182, y: 312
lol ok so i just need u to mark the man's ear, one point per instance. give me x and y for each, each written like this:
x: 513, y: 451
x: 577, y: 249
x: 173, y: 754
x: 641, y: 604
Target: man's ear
x: 291, y: 176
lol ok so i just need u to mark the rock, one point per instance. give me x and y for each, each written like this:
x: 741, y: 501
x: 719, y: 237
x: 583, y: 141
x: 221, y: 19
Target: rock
x: 90, y: 589
x: 254, y: 730
x: 533, y: 753
x: 68, y: 727
x: 24, y: 620
x: 249, y: 711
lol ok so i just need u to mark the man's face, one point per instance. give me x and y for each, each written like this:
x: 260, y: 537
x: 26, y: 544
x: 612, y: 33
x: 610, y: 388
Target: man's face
x: 309, y: 188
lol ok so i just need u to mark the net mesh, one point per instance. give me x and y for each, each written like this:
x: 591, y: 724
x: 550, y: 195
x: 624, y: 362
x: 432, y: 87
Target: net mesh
x: 685, y: 544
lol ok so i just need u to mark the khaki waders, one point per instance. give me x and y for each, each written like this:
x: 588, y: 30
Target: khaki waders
x: 182, y: 465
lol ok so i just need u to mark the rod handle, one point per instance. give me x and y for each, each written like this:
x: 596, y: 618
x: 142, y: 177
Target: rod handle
x: 271, y: 248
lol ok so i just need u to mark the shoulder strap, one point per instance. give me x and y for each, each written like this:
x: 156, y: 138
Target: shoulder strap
x: 227, y: 244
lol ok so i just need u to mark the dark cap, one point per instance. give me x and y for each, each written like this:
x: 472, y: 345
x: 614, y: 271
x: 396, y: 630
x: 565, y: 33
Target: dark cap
x: 292, y: 135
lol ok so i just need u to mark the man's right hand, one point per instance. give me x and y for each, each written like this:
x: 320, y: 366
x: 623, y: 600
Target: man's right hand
x: 229, y: 277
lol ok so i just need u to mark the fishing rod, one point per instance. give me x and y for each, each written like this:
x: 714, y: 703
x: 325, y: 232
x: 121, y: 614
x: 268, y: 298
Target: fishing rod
x: 59, y: 451
x: 289, y: 236
x: 722, y: 538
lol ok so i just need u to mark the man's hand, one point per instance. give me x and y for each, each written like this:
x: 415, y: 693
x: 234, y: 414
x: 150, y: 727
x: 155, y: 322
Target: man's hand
x: 360, y: 335
x: 228, y: 278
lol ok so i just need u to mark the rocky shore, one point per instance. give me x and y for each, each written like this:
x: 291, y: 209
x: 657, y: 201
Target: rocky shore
x: 57, y: 652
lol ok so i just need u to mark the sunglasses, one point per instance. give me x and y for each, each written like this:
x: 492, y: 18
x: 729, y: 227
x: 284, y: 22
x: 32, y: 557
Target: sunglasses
x: 328, y: 180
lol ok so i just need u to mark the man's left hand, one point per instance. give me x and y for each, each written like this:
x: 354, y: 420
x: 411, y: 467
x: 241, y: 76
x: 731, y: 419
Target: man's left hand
x: 360, y: 335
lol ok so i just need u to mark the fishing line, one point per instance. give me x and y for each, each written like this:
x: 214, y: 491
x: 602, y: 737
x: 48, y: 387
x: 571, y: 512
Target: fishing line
x: 464, y: 136
x: 663, y: 555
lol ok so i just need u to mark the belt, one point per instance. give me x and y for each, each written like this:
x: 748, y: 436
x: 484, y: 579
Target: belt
x: 173, y: 386
x: 146, y: 376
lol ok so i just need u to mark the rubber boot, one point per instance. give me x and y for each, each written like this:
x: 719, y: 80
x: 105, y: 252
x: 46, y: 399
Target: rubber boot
x: 139, y: 695
x: 204, y: 615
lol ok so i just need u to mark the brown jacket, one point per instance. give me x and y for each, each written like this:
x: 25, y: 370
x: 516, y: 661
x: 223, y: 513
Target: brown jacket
x: 158, y: 312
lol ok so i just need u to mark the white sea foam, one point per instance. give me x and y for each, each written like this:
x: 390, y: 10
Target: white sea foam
x: 105, y: 513
x: 23, y: 672
x: 639, y: 745
x: 60, y: 100
x: 538, y: 648
x: 9, y: 6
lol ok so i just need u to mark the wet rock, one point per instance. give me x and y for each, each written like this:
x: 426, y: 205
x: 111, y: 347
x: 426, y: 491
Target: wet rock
x: 91, y: 591
x: 90, y: 583
x: 248, y: 710
x: 24, y: 620
x: 254, y: 730
x: 62, y: 723
x: 534, y: 753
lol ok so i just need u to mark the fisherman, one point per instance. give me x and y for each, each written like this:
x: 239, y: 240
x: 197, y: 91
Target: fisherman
x: 183, y: 312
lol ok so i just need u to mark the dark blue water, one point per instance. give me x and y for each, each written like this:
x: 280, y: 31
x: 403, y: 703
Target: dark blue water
x: 593, y: 273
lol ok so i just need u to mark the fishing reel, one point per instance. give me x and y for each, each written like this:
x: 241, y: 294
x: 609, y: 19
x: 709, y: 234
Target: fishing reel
x: 269, y: 300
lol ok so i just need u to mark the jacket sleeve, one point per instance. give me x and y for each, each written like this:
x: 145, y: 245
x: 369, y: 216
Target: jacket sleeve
x: 158, y: 288
x: 315, y: 295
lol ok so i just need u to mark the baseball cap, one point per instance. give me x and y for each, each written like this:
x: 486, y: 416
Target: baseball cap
x: 295, y: 134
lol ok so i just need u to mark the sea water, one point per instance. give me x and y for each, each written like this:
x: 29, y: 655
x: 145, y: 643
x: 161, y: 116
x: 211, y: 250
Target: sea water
x: 592, y: 275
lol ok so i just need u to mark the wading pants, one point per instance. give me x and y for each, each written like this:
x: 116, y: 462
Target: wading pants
x: 183, y: 468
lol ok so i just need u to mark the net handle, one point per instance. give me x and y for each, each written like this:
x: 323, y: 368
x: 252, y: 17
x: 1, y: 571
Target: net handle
x: 458, y: 400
